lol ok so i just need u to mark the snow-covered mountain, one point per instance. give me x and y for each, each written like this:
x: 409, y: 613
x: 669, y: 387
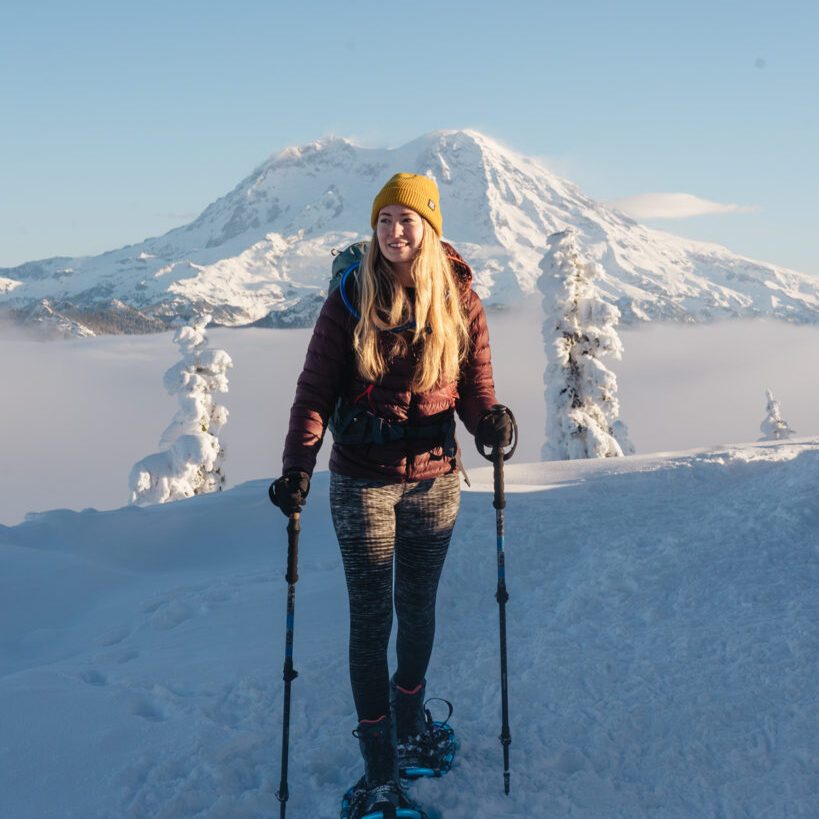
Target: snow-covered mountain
x: 261, y: 254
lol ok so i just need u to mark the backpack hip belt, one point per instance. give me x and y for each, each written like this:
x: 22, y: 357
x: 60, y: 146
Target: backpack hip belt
x: 356, y: 426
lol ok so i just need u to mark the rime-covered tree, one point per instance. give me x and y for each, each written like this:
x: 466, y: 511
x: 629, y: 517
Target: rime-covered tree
x: 579, y: 329
x: 193, y: 458
x: 774, y: 427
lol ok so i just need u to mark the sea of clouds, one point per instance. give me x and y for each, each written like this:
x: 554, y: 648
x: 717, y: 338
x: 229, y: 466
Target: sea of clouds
x: 77, y: 415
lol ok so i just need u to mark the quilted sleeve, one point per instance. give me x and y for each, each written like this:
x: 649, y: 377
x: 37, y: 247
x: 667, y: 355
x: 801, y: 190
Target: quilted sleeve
x: 327, y: 365
x: 476, y: 386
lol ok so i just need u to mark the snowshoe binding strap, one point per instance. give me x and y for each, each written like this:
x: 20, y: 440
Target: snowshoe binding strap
x: 445, y: 720
x: 357, y: 803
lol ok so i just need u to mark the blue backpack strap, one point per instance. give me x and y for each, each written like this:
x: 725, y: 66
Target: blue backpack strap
x: 410, y: 325
x: 343, y: 289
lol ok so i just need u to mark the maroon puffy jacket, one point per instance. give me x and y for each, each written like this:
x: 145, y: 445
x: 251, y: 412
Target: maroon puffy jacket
x: 330, y: 373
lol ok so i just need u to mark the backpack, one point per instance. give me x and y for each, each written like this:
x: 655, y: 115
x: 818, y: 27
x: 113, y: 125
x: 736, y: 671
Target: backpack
x: 345, y: 264
x: 345, y: 261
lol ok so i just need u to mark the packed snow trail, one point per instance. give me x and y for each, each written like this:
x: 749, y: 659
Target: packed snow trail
x: 663, y: 646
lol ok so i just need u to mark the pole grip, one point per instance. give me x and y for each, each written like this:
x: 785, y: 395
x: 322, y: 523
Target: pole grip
x: 499, y: 501
x: 293, y: 529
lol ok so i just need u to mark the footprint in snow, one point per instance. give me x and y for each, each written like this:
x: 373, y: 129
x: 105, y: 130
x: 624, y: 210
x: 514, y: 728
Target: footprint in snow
x: 148, y: 709
x: 115, y: 636
x: 171, y: 615
x: 94, y: 677
x: 125, y: 655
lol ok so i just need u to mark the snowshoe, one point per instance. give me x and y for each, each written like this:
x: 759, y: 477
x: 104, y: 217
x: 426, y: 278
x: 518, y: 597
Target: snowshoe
x: 429, y: 752
x: 389, y: 801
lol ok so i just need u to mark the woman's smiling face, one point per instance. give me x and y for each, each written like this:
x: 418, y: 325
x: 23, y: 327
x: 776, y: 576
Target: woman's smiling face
x: 399, y: 231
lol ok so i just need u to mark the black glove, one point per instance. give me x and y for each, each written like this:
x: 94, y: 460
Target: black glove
x: 289, y: 492
x: 495, y: 429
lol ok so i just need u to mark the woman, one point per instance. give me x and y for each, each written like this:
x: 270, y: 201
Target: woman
x: 396, y: 351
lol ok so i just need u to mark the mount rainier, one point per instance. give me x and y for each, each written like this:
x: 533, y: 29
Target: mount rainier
x: 262, y: 253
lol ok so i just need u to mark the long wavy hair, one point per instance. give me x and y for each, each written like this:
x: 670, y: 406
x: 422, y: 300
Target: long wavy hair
x: 440, y: 333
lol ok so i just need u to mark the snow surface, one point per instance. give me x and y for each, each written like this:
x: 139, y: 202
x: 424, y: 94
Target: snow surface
x: 663, y: 647
x: 662, y: 621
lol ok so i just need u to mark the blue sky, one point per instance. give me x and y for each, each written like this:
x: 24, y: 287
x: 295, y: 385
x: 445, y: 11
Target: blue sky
x: 123, y: 120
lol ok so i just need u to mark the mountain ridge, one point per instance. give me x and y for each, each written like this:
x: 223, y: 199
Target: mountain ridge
x: 260, y: 254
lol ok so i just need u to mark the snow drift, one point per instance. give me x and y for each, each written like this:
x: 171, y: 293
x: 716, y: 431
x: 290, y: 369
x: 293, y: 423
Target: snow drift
x: 663, y: 646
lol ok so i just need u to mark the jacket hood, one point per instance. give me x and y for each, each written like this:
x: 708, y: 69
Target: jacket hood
x: 462, y: 270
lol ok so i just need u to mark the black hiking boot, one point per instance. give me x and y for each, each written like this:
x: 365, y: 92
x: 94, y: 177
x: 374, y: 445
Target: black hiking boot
x: 379, y: 793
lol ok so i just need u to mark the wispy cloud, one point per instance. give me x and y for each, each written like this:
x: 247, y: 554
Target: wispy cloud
x: 674, y: 206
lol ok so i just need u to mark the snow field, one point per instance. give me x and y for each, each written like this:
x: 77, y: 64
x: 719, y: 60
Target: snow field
x: 663, y: 644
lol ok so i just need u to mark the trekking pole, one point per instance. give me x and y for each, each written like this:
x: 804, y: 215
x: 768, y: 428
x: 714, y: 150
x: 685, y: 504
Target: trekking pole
x: 290, y: 674
x: 498, y: 456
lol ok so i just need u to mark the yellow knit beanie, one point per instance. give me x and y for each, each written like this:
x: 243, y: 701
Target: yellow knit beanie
x: 420, y: 193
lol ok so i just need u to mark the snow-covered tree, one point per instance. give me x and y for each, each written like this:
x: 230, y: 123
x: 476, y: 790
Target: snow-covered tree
x: 774, y: 427
x: 580, y: 327
x: 192, y: 461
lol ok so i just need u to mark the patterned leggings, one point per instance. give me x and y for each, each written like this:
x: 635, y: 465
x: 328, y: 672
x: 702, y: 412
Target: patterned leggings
x: 376, y: 522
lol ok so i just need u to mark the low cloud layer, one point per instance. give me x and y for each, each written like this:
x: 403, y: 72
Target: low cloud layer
x: 77, y: 415
x: 674, y: 206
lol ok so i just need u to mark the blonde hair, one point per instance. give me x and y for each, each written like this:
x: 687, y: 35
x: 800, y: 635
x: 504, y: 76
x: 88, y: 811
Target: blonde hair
x: 440, y: 332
